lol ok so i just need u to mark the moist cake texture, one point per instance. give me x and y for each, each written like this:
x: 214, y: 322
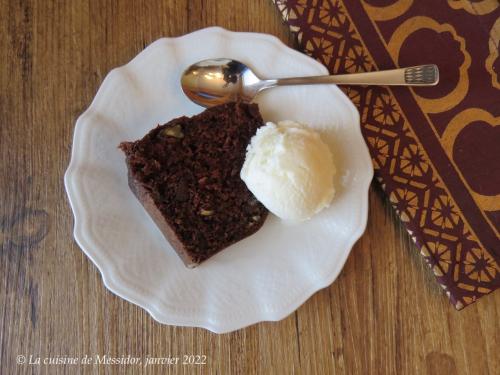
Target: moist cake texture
x: 186, y: 174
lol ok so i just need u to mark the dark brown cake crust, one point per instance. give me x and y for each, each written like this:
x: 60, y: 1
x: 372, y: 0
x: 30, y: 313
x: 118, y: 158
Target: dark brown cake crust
x: 186, y: 174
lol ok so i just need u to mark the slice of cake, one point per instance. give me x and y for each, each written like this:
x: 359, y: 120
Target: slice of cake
x: 186, y: 174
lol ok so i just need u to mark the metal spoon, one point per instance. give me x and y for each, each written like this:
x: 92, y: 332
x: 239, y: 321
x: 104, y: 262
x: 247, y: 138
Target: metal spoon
x: 217, y: 81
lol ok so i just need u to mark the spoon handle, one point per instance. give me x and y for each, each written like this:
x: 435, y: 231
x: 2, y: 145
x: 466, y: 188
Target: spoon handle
x: 421, y: 75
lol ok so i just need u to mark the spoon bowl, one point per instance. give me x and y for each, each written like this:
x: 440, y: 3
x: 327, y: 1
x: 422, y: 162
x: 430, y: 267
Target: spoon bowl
x: 217, y: 81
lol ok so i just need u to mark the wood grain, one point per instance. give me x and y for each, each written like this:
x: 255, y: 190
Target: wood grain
x: 385, y: 314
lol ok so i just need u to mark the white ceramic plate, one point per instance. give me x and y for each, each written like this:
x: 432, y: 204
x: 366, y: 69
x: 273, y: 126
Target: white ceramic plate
x: 264, y: 277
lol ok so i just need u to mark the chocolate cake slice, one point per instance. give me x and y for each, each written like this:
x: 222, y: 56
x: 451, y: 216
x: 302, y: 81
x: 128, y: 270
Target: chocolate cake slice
x: 186, y: 174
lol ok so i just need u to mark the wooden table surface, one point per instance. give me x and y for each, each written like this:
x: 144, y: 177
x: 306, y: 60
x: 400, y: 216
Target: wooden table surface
x: 385, y: 314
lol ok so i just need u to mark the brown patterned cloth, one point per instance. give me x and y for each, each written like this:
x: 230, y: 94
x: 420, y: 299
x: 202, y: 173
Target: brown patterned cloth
x: 436, y: 151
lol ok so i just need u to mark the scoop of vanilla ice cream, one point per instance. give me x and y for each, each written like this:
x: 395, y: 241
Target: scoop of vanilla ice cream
x: 290, y: 170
